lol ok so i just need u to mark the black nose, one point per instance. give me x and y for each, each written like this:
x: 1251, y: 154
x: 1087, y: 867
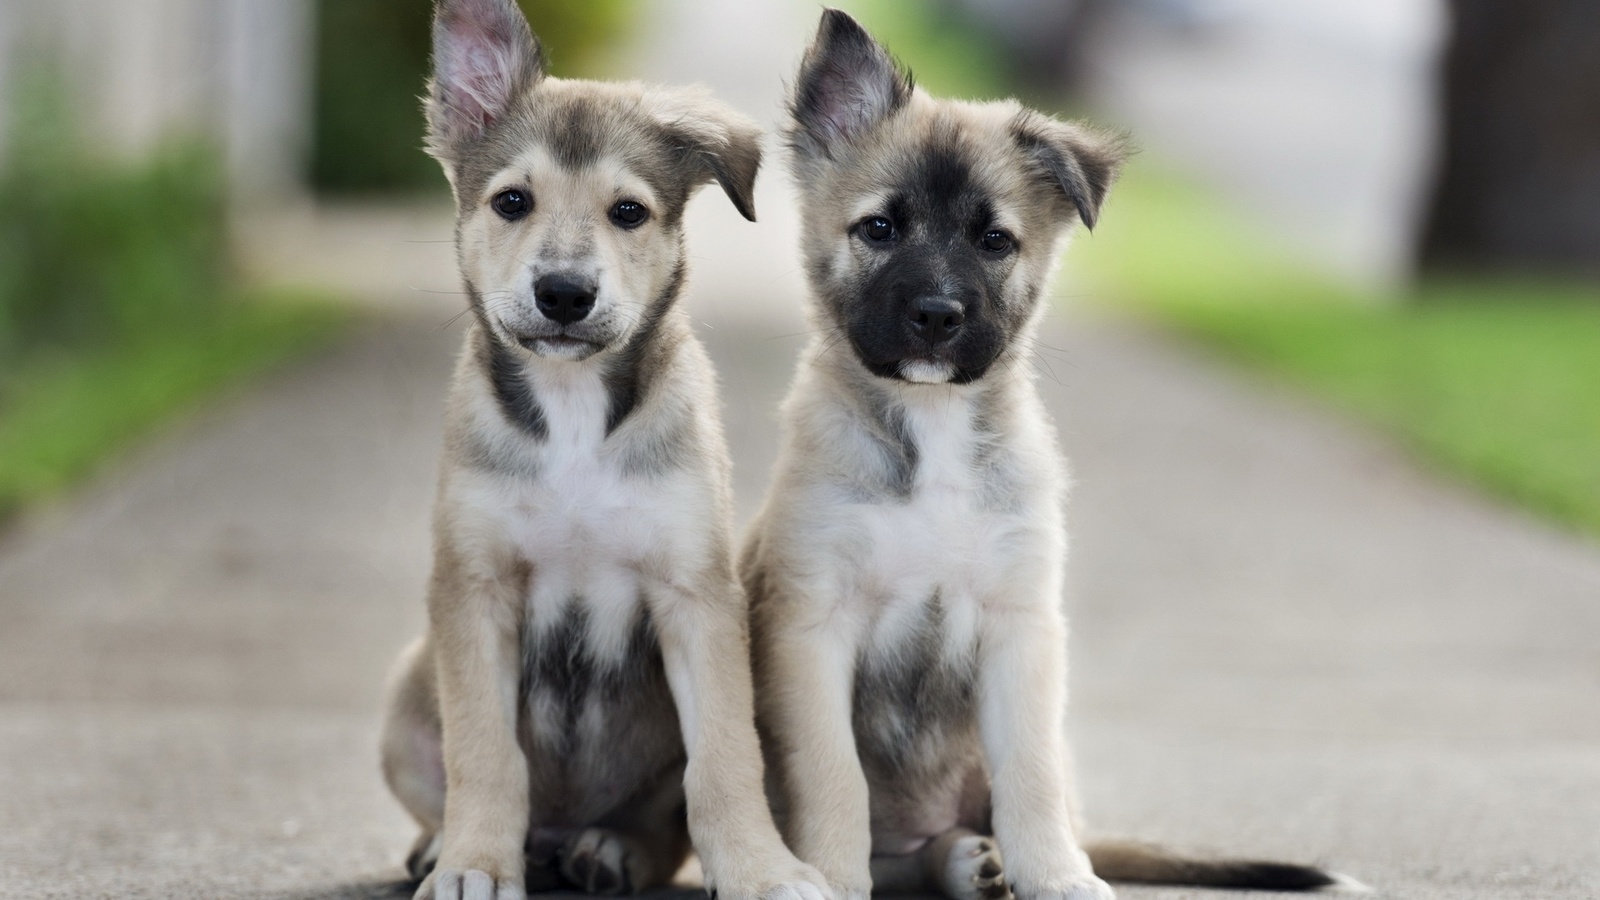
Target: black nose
x: 564, y: 298
x: 936, y: 319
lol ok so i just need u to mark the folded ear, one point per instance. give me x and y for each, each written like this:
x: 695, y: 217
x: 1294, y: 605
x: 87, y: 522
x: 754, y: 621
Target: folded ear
x: 484, y: 57
x: 734, y: 158
x: 847, y: 85
x: 1077, y: 160
x: 716, y: 143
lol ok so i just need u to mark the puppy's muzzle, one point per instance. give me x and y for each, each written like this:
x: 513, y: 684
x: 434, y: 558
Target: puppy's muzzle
x: 936, y: 320
x: 564, y: 298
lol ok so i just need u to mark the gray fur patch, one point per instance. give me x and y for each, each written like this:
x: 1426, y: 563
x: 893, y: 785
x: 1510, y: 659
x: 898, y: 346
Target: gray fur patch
x: 666, y: 447
x: 512, y: 391
x: 915, y: 707
x: 629, y: 377
x: 1002, y: 488
x: 561, y: 670
x: 886, y: 423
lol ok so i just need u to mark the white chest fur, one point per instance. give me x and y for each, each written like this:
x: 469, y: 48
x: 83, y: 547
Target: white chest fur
x: 590, y: 530
x: 947, y: 539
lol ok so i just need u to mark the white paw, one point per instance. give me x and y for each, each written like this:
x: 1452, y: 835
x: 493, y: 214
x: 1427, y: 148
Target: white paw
x: 471, y: 884
x: 1086, y: 887
x: 783, y: 877
x: 796, y: 890
x: 974, y: 870
x: 1090, y: 888
x: 794, y: 880
x: 598, y: 861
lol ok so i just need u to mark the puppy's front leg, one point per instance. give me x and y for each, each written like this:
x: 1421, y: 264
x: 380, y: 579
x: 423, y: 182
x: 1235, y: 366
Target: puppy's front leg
x: 705, y: 646
x: 475, y: 635
x: 807, y: 673
x: 1022, y: 711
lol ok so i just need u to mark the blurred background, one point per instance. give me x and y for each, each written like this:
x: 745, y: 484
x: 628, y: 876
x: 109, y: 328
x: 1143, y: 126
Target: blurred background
x: 1328, y: 369
x: 1394, y: 203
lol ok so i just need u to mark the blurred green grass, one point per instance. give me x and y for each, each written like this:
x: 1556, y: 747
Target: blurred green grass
x: 1496, y: 379
x: 117, y: 305
x: 64, y: 414
x: 944, y: 54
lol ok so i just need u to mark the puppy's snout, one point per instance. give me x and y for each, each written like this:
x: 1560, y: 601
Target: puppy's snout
x: 564, y: 298
x: 936, y: 319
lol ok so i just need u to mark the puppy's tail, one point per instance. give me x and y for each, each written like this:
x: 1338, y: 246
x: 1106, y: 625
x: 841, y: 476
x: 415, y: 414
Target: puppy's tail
x: 1149, y: 864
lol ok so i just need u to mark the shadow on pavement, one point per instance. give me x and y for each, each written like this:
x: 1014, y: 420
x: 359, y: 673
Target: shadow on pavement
x: 369, y: 889
x: 402, y: 889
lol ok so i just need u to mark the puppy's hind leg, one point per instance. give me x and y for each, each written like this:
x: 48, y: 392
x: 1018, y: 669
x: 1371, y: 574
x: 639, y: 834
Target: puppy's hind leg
x: 965, y: 865
x: 412, y: 756
x: 637, y: 847
x: 960, y: 864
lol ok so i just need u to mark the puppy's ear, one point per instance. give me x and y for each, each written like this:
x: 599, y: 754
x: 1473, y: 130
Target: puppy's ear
x: 714, y: 142
x: 1078, y: 161
x: 484, y: 57
x: 847, y: 85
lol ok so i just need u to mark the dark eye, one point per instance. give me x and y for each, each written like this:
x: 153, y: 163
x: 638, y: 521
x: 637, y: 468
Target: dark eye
x: 996, y: 241
x: 629, y: 214
x: 511, y: 204
x: 877, y: 229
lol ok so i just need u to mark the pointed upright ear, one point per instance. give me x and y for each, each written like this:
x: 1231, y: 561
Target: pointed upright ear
x: 484, y: 57
x: 847, y: 85
x: 714, y: 142
x: 1076, y: 160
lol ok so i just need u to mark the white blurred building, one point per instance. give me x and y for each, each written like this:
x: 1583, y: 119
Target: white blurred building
x: 1319, y: 115
x: 238, y: 71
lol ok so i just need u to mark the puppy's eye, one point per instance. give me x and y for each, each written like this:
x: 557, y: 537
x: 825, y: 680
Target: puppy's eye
x: 997, y: 241
x: 629, y: 214
x: 511, y: 205
x: 877, y: 229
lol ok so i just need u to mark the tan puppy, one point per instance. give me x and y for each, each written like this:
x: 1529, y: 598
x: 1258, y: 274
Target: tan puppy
x: 581, y: 705
x: 906, y: 570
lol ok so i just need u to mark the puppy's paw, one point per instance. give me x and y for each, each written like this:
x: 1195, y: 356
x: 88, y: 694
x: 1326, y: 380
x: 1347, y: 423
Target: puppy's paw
x: 799, y: 890
x: 467, y: 884
x: 797, y: 881
x: 792, y: 879
x: 1087, y: 887
x: 779, y: 875
x: 600, y: 862
x: 974, y: 871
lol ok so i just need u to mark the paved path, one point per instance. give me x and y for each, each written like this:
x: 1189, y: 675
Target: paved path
x: 1287, y: 641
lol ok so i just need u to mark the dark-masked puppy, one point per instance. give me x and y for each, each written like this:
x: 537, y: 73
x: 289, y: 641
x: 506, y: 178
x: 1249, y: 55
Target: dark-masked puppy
x: 581, y: 704
x: 906, y: 569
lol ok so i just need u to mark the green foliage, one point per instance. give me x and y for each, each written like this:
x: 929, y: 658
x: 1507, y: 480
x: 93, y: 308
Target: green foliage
x: 576, y: 34
x: 943, y: 53
x: 92, y: 252
x: 65, y: 413
x: 367, y: 124
x: 116, y: 308
x: 1498, y: 380
x: 372, y: 63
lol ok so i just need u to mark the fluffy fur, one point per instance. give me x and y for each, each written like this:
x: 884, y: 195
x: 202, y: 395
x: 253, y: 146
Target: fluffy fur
x: 906, y: 569
x: 580, y: 706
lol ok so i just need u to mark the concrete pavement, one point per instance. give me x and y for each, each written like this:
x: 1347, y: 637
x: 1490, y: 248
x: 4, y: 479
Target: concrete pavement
x: 1288, y: 640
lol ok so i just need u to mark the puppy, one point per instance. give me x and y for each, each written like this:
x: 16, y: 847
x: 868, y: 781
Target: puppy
x: 581, y: 704
x: 905, y: 571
